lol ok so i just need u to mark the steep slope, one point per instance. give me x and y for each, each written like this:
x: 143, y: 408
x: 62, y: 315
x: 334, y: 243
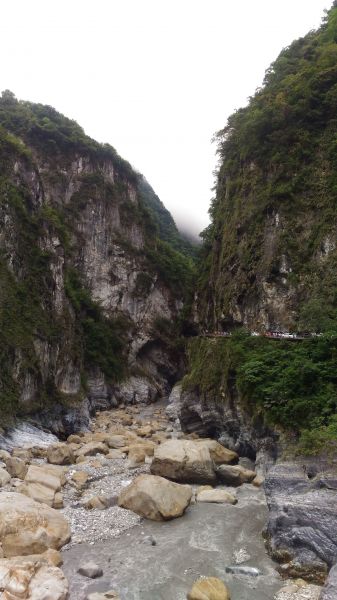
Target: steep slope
x: 88, y: 290
x: 270, y: 262
x: 271, y: 255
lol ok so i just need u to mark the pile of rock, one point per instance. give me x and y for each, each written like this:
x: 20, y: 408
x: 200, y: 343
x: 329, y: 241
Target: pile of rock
x: 33, y: 480
x: 31, y: 577
x: 28, y: 532
x: 199, y: 461
x: 185, y: 461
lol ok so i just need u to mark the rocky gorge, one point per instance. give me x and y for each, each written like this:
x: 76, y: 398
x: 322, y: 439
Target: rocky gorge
x: 135, y: 464
x: 168, y: 414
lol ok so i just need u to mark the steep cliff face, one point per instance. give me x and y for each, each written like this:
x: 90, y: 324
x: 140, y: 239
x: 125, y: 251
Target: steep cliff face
x: 87, y: 286
x: 270, y: 262
x: 271, y: 250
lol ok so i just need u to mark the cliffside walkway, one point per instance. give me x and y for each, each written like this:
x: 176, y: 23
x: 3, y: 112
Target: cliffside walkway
x: 273, y: 335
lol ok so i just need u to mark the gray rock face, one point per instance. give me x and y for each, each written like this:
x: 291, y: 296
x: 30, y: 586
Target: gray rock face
x: 174, y: 403
x: 329, y: 592
x: 301, y: 531
x: 227, y: 420
x: 100, y: 206
x: 26, y: 434
x: 301, y: 496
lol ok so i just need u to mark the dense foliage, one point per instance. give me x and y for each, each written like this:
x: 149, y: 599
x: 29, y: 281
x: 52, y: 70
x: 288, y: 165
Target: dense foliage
x: 103, y: 339
x: 292, y: 385
x: 276, y: 189
x: 43, y: 127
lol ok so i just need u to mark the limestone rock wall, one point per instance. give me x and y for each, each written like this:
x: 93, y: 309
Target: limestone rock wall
x: 74, y: 214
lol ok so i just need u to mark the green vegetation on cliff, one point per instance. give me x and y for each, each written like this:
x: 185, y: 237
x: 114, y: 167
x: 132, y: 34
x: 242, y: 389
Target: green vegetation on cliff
x: 103, y: 339
x: 269, y: 258
x: 290, y: 385
x: 44, y: 128
x: 56, y: 183
x: 271, y: 243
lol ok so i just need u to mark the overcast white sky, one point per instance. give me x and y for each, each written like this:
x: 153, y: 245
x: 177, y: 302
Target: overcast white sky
x: 154, y: 78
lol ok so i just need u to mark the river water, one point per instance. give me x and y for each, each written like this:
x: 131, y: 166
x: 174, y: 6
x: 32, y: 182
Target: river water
x: 160, y: 561
x: 207, y: 540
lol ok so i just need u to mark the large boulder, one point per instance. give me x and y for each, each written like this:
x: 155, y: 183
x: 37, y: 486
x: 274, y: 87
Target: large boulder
x: 144, y: 431
x: 115, y: 454
x: 219, y: 454
x: 155, y: 498
x: 235, y: 475
x: 79, y: 479
x: 99, y: 502
x: 115, y: 441
x: 16, y: 467
x: 209, y: 588
x: 139, y: 451
x: 43, y: 485
x: 32, y: 578
x: 183, y: 460
x: 28, y: 527
x: 24, y: 453
x: 60, y: 454
x: 4, y: 455
x: 92, y: 448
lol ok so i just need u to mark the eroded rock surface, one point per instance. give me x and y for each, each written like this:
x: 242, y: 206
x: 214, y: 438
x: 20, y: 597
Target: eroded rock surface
x: 31, y: 578
x: 329, y: 591
x: 28, y: 527
x: 302, y: 521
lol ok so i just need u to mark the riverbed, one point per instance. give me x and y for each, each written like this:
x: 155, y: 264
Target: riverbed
x: 146, y: 560
x: 160, y: 561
